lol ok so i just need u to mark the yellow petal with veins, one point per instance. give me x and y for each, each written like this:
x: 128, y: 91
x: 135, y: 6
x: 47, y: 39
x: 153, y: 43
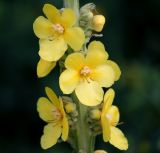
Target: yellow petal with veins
x: 116, y: 69
x: 89, y: 93
x: 104, y: 75
x: 118, y: 139
x: 43, y: 28
x: 44, y: 68
x: 52, y: 50
x: 68, y: 81
x: 51, y: 134
x: 52, y: 13
x: 74, y: 37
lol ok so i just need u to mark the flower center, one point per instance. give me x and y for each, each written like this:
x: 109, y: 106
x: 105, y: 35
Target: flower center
x: 57, y: 114
x: 58, y: 28
x: 85, y: 71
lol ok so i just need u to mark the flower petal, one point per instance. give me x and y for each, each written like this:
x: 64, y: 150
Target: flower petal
x: 45, y: 107
x: 95, y: 58
x: 104, y: 75
x: 68, y: 81
x: 74, y: 37
x: 108, y: 100
x: 68, y: 17
x: 100, y: 151
x: 113, y: 115
x: 65, y: 125
x: 51, y: 134
x: 52, y: 96
x: 52, y: 50
x: 65, y: 129
x: 96, y: 45
x: 52, y: 13
x: 44, y: 68
x: 116, y: 69
x: 89, y: 93
x: 42, y: 28
x: 75, y: 61
x: 118, y: 139
x: 105, y: 128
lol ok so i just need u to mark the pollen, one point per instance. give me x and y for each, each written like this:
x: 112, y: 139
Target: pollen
x: 58, y: 28
x: 85, y: 71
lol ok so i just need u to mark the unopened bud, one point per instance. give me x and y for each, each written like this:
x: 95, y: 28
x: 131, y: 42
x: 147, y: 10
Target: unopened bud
x: 70, y: 107
x: 100, y: 151
x: 86, y: 15
x: 98, y: 22
x: 95, y: 114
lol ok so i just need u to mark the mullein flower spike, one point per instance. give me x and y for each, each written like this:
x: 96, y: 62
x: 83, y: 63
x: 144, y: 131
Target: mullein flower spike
x: 84, y: 71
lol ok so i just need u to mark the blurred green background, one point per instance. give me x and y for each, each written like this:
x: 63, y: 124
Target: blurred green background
x: 132, y: 38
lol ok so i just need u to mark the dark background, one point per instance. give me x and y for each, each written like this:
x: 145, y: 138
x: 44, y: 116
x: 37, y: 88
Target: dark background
x: 132, y: 38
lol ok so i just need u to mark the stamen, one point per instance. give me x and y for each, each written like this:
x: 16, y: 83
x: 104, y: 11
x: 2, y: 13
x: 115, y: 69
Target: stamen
x: 85, y: 71
x: 57, y: 114
x: 58, y: 28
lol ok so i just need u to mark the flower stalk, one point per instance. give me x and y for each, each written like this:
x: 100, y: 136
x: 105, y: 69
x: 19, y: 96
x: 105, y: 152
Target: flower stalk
x: 85, y: 139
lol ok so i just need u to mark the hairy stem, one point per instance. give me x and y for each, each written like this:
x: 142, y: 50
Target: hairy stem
x: 85, y: 139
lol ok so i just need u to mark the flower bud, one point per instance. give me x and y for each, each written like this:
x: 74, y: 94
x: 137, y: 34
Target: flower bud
x: 86, y: 15
x: 100, y: 151
x: 95, y: 114
x: 70, y: 107
x: 98, y: 22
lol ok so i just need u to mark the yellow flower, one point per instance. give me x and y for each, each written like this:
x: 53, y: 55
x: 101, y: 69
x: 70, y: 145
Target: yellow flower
x: 88, y: 74
x: 51, y: 111
x: 109, y: 120
x: 55, y: 32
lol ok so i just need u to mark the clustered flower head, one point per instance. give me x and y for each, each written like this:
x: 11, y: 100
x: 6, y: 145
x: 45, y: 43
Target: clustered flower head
x: 85, y: 72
